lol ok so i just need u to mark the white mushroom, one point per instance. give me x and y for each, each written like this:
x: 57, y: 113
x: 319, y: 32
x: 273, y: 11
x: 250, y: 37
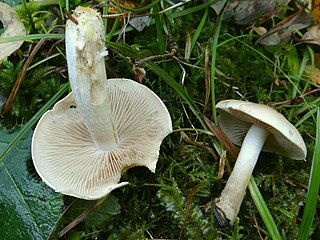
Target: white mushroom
x: 81, y: 147
x: 257, y: 128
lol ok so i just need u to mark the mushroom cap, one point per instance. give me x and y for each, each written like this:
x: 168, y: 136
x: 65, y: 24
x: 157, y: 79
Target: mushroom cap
x: 66, y: 157
x: 236, y: 117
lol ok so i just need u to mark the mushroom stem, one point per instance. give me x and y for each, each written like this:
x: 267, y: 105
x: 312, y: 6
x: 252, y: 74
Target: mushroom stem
x: 233, y: 193
x: 86, y: 50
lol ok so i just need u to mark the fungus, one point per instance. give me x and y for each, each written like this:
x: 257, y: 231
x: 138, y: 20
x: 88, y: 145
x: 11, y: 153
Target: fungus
x: 257, y: 128
x: 104, y: 127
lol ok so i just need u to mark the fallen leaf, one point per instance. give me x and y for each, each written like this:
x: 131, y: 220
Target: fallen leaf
x: 260, y: 30
x: 139, y: 73
x: 13, y: 27
x: 139, y: 23
x: 248, y: 12
x: 312, y: 36
x: 313, y: 73
x: 282, y: 32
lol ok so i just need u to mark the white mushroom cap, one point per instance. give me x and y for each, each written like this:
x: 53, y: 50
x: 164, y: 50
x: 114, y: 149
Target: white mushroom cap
x: 64, y: 153
x: 236, y: 117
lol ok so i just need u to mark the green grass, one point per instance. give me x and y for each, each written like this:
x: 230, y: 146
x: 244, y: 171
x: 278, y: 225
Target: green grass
x: 306, y: 227
x: 177, y: 199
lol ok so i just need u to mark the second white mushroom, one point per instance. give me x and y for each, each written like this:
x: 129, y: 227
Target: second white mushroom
x: 257, y: 128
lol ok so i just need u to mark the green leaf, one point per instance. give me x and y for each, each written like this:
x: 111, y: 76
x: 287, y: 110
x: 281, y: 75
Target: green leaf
x: 263, y: 210
x: 28, y: 208
x: 12, y: 3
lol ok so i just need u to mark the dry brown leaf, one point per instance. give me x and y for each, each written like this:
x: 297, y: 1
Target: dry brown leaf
x: 282, y: 32
x: 260, y: 30
x: 248, y: 12
x: 313, y: 73
x: 312, y: 35
x: 13, y: 27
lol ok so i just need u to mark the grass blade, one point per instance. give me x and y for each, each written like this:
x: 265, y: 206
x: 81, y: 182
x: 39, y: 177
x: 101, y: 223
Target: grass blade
x: 313, y: 188
x: 263, y: 210
x: 193, y: 9
x: 198, y: 32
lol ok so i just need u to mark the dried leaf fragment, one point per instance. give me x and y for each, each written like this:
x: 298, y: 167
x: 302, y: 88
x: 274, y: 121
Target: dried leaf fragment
x: 313, y: 72
x: 312, y: 36
x: 248, y: 12
x: 13, y: 27
x: 281, y: 33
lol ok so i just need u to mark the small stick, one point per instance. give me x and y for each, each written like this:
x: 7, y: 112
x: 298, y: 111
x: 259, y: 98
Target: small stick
x: 69, y: 16
x: 296, y: 98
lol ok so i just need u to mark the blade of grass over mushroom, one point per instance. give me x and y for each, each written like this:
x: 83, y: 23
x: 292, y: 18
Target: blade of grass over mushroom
x: 263, y: 210
x: 313, y: 189
x: 33, y: 121
x: 31, y: 37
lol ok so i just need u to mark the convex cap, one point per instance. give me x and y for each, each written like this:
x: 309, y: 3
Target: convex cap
x: 236, y: 117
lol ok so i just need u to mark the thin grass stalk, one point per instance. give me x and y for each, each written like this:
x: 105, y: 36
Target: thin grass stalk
x: 191, y: 10
x: 198, y: 32
x: 263, y: 210
x: 213, y: 65
x: 113, y: 29
x: 313, y: 189
x: 159, y: 23
x: 104, y: 13
x: 31, y: 37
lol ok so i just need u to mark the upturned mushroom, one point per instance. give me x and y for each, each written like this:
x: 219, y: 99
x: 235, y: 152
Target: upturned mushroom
x: 257, y: 128
x: 81, y: 146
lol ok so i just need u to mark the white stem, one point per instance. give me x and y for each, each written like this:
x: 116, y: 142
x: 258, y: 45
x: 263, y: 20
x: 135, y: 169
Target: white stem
x: 233, y: 193
x: 86, y: 49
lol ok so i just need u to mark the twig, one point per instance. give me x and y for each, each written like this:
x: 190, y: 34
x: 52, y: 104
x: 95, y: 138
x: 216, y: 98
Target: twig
x: 20, y: 78
x: 293, y: 100
x: 189, y: 198
x: 81, y: 217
